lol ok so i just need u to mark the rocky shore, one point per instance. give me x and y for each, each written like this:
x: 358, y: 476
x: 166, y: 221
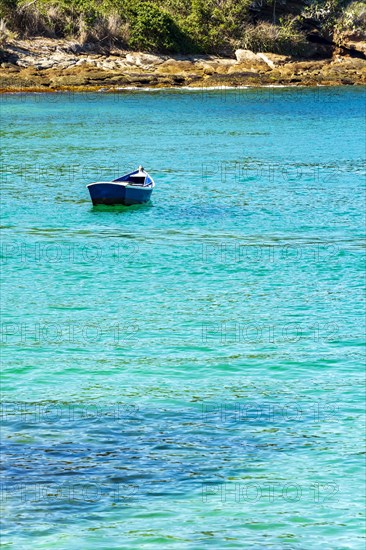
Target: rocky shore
x: 46, y: 65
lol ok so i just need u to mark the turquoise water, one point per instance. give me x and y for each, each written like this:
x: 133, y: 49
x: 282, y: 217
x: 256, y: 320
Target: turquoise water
x: 186, y: 374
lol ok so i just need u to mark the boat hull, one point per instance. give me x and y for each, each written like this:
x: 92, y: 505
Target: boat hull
x: 114, y: 193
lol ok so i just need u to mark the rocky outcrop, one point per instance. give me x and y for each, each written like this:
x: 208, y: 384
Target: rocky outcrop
x: 48, y: 65
x: 145, y: 60
x: 243, y: 56
x: 352, y: 43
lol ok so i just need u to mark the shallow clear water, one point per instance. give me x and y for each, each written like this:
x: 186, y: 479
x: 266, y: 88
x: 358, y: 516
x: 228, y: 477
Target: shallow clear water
x: 189, y: 373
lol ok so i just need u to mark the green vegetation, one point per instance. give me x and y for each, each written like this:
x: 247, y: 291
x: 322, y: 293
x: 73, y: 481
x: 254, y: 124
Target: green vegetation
x: 205, y: 26
x: 326, y: 13
x: 154, y: 29
x: 285, y: 38
x: 353, y: 18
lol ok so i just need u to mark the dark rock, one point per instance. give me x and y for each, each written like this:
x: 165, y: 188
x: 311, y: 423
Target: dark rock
x: 73, y: 48
x: 178, y: 79
x: 143, y: 79
x: 8, y: 57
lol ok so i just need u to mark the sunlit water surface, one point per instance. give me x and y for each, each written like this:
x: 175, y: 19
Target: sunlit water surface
x: 186, y: 374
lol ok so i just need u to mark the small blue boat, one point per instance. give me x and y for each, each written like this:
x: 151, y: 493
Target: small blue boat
x: 133, y: 188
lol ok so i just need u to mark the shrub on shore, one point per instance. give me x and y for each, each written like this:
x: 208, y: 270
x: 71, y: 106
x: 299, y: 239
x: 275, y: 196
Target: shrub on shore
x: 151, y: 28
x: 205, y: 26
x: 353, y: 18
x: 284, y: 38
